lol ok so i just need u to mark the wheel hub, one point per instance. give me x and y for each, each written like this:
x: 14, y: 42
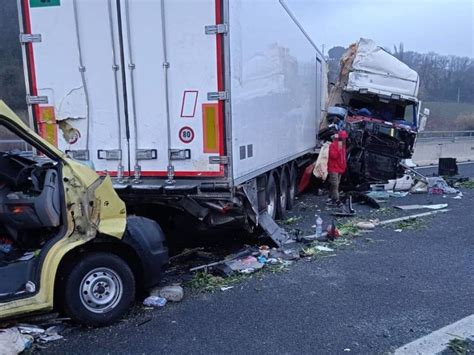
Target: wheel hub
x: 101, y: 290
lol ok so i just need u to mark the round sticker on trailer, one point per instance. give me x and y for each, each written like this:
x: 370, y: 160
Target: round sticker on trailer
x: 186, y: 134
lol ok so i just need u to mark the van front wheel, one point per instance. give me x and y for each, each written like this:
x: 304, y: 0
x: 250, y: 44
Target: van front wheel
x: 98, y: 289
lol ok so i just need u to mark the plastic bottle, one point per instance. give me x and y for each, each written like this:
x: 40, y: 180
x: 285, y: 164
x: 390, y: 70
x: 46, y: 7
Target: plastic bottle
x: 155, y: 301
x: 319, y: 226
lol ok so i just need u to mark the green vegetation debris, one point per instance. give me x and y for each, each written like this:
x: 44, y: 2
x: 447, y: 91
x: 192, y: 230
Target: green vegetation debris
x: 467, y: 184
x: 459, y: 346
x: 206, y: 282
x: 412, y: 224
x: 349, y: 228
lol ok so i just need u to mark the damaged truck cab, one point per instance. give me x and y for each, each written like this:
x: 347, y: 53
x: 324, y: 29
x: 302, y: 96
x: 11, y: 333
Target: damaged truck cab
x: 65, y: 240
x: 376, y: 97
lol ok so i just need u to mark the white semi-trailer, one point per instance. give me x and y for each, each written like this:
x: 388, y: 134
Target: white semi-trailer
x: 210, y: 107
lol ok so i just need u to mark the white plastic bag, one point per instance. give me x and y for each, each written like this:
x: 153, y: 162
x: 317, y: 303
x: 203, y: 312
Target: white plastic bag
x: 321, y: 167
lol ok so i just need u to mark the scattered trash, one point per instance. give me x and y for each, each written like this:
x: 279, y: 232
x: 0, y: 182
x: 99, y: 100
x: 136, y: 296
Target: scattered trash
x: 459, y: 196
x: 226, y: 288
x: 347, y: 350
x: 438, y: 186
x: 419, y: 207
x: 398, y: 230
x: 412, y: 216
x: 323, y: 248
x: 404, y: 183
x: 242, y: 253
x: 398, y: 193
x: 6, y: 245
x: 420, y: 187
x: 12, y: 342
x: 319, y: 225
x: 315, y: 250
x: 333, y: 232
x: 365, y: 225
x: 264, y: 250
x: 155, y: 301
x: 22, y: 337
x: 170, y: 293
x: 245, y: 265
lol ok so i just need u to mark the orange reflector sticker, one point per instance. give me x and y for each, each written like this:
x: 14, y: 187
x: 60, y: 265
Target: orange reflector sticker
x: 210, y: 128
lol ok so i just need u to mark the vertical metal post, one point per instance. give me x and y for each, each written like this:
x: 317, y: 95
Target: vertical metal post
x: 115, y: 68
x: 82, y: 70
x: 166, y: 66
x: 137, y: 170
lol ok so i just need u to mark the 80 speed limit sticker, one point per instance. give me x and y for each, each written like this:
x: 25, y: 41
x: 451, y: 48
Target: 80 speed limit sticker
x: 186, y: 134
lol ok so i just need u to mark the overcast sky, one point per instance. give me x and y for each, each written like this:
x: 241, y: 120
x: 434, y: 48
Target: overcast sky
x: 442, y: 26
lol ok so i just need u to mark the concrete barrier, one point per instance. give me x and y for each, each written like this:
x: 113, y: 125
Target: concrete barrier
x: 428, y: 151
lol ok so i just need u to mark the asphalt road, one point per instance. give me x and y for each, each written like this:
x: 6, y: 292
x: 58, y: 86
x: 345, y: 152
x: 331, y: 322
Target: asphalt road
x: 386, y: 289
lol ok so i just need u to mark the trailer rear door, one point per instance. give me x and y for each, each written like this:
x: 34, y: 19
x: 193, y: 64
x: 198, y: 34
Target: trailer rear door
x: 126, y: 83
x: 172, y: 66
x: 76, y: 72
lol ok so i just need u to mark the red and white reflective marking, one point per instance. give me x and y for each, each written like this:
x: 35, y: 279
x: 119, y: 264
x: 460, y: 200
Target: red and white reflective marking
x: 186, y: 134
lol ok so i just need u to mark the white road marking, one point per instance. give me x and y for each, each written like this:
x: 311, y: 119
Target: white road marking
x: 437, y: 341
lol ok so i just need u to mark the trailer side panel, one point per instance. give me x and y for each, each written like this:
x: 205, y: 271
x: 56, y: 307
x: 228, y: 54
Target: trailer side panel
x: 274, y: 88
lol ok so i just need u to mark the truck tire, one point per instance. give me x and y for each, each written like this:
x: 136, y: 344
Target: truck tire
x: 271, y: 195
x: 282, y: 193
x: 98, y: 289
x: 292, y: 186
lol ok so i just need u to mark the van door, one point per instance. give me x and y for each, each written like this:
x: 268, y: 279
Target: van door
x: 76, y: 72
x: 172, y: 65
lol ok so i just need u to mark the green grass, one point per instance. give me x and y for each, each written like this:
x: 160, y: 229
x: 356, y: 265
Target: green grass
x: 459, y: 346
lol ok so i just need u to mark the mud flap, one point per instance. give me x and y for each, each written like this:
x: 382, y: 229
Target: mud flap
x: 274, y: 231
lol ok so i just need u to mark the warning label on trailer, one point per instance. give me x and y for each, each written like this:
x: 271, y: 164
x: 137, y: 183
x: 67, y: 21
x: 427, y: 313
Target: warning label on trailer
x: 44, y: 3
x: 186, y: 134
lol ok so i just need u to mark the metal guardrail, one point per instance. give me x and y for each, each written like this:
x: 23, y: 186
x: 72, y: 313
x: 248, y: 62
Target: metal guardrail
x: 445, y: 134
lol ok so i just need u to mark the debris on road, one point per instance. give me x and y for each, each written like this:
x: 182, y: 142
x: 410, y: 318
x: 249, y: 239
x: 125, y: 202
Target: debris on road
x: 420, y: 207
x: 365, y: 225
x: 226, y: 288
x: 438, y: 186
x: 245, y: 265
x: 12, y: 342
x: 333, y: 232
x: 405, y: 218
x: 323, y: 248
x: 21, y: 337
x: 173, y: 293
x: 155, y: 301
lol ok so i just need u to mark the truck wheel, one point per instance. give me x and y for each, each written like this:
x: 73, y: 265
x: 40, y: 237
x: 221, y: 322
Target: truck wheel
x: 271, y: 194
x: 98, y: 289
x: 292, y: 187
x: 283, y: 194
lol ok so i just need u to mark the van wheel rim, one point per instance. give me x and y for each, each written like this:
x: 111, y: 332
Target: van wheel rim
x: 101, y: 290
